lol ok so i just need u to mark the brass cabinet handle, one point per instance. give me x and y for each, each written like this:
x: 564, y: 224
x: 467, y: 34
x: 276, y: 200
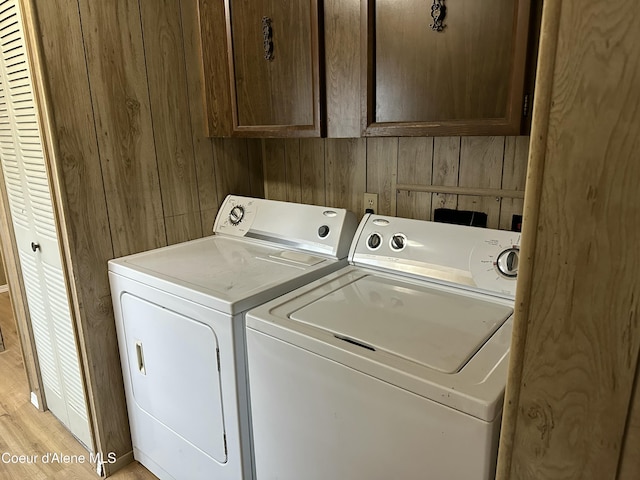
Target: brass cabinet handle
x: 267, y: 38
x: 438, y: 12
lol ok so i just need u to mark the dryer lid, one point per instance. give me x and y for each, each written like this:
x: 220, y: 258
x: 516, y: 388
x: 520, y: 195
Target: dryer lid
x: 438, y: 329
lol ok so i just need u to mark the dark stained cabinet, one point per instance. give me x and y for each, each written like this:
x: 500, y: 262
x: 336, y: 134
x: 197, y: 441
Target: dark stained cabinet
x: 466, y: 79
x: 262, y: 68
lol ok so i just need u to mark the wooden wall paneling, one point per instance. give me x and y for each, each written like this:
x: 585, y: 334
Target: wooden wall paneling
x: 256, y: 167
x: 630, y: 456
x: 342, y: 65
x: 72, y: 142
x: 481, y: 161
x: 120, y: 96
x: 382, y: 170
x: 217, y: 89
x: 576, y: 337
x: 345, y: 173
x: 514, y: 175
x: 446, y: 165
x: 171, y: 118
x: 202, y: 148
x: 312, y: 171
x: 275, y: 169
x: 232, y: 167
x: 292, y: 169
x: 415, y: 164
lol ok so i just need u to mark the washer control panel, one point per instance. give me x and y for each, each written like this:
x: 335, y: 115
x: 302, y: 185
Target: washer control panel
x: 477, y: 257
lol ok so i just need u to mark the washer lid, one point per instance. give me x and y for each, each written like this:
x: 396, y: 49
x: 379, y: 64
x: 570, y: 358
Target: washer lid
x: 423, y: 324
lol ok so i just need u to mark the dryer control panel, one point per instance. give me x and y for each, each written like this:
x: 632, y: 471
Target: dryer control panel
x: 480, y: 258
x: 307, y: 227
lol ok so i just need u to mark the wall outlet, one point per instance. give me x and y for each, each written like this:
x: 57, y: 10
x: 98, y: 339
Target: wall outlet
x: 371, y: 203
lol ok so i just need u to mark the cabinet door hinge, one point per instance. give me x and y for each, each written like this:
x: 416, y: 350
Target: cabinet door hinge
x: 525, y: 106
x: 218, y: 358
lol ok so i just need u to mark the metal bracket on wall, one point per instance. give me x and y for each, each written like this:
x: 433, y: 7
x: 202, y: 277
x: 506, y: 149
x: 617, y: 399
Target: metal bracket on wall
x: 438, y: 12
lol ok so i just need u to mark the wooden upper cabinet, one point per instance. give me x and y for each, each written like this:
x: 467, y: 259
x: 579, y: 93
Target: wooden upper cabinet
x: 467, y: 79
x: 262, y: 68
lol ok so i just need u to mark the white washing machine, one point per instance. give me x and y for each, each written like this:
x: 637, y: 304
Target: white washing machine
x: 180, y: 321
x: 392, y: 367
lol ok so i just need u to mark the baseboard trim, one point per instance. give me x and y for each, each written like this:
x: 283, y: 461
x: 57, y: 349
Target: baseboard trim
x: 121, y: 462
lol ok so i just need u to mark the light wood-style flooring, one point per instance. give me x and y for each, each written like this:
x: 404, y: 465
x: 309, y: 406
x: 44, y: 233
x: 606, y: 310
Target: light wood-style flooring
x: 26, y: 431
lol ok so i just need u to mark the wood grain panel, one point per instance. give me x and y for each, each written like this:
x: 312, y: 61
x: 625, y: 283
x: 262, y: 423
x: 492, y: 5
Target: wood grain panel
x: 169, y: 100
x: 312, y: 171
x: 345, y: 173
x: 514, y: 175
x: 256, y: 169
x: 630, y: 457
x: 415, y: 164
x: 481, y: 161
x: 120, y: 96
x: 75, y: 149
x: 215, y: 68
x: 275, y: 169
x: 382, y: 170
x: 184, y: 227
x: 579, y: 355
x: 202, y: 148
x: 232, y: 167
x: 446, y: 165
x: 292, y: 170
x: 342, y: 53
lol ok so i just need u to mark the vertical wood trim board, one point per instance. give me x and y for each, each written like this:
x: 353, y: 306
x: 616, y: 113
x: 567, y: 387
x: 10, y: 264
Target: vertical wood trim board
x: 202, y: 146
x: 115, y: 56
x: 481, y: 161
x: 170, y: 114
x: 577, y: 335
x: 382, y: 172
x: 415, y: 166
x: 342, y: 27
x: 75, y: 154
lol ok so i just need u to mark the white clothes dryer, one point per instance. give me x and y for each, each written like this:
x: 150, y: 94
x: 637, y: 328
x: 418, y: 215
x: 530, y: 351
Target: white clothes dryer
x: 180, y: 321
x: 392, y: 367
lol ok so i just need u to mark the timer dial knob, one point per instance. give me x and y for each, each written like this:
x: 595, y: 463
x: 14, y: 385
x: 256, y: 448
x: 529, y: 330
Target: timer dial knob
x: 323, y: 231
x: 374, y: 241
x: 398, y: 241
x: 507, y: 263
x: 236, y: 214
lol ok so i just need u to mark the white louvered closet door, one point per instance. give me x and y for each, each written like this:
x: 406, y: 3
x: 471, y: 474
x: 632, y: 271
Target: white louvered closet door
x: 33, y: 220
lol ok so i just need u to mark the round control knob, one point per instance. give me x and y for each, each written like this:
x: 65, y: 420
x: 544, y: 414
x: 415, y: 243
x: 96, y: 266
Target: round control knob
x: 398, y: 241
x: 374, y: 241
x: 323, y: 231
x: 236, y: 214
x: 507, y: 263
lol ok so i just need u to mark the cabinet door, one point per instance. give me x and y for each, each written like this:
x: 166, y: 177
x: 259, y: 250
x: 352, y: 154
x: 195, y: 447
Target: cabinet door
x: 273, y: 72
x: 465, y: 79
